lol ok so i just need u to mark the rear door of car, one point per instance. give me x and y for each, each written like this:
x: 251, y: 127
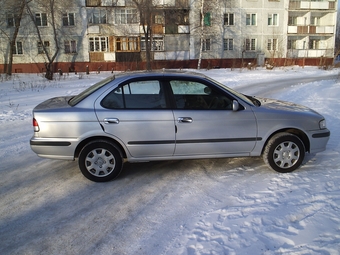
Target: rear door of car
x: 206, y: 123
x: 136, y: 113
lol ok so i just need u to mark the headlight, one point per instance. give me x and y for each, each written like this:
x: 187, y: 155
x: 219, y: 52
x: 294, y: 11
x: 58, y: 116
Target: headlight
x: 322, y: 124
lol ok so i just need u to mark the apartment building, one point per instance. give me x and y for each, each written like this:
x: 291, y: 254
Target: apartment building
x: 113, y: 34
x: 311, y: 29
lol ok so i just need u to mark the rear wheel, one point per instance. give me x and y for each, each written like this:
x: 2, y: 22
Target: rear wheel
x: 284, y: 152
x: 100, y: 161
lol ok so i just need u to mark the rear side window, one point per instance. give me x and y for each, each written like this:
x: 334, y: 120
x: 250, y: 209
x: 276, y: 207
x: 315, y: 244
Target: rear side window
x: 136, y: 95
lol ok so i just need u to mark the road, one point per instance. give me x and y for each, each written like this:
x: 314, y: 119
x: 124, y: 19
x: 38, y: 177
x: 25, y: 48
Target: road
x: 48, y: 207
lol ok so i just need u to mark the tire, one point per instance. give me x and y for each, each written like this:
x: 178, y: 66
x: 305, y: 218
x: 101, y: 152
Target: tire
x: 100, y: 161
x: 284, y: 152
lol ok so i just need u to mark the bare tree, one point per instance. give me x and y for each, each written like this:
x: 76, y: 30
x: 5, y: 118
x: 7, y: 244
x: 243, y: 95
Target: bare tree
x: 52, y: 18
x: 337, y: 36
x: 202, y: 35
x: 274, y: 46
x: 14, y: 14
x: 206, y: 8
x: 49, y: 7
x: 150, y: 12
x: 146, y: 9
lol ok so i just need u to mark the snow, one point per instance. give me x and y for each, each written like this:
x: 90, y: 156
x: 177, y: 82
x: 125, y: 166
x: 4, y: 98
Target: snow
x: 208, y: 206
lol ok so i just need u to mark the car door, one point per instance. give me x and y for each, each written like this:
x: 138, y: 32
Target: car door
x: 137, y: 114
x: 206, y: 123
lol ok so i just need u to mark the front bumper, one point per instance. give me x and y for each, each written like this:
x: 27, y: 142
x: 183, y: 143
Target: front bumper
x: 318, y: 140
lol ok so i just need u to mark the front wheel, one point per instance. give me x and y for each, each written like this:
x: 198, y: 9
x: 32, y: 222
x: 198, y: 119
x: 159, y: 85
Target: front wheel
x: 100, y: 161
x: 284, y: 152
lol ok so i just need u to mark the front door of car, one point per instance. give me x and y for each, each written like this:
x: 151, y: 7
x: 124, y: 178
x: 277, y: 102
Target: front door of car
x: 206, y: 123
x: 137, y: 115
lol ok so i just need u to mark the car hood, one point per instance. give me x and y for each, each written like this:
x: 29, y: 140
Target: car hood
x: 281, y: 114
x: 279, y: 105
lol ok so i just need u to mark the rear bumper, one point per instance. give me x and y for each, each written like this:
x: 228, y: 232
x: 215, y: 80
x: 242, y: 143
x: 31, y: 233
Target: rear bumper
x: 53, y: 148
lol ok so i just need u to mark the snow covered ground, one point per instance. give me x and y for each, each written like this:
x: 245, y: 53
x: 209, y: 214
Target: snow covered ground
x: 220, y: 206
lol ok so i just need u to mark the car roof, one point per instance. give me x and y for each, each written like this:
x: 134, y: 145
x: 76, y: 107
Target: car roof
x: 162, y: 72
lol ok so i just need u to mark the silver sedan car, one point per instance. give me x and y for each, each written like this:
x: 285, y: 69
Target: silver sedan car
x: 146, y: 116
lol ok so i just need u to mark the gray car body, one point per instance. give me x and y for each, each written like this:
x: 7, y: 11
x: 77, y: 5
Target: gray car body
x: 165, y: 134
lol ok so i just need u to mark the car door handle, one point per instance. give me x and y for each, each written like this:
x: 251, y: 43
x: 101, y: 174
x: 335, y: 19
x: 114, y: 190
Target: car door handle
x: 111, y: 121
x: 184, y: 120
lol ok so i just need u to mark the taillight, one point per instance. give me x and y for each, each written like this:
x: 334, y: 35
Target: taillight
x: 35, y: 125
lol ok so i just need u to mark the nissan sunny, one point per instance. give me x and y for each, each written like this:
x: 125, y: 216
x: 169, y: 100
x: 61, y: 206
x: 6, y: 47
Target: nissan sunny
x: 148, y: 116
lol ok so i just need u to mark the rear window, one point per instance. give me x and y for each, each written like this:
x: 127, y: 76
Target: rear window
x: 75, y: 100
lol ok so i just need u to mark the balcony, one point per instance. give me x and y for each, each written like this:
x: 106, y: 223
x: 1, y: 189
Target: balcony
x: 310, y: 53
x: 310, y: 29
x: 308, y: 5
x: 106, y: 3
x: 179, y: 4
x: 93, y: 3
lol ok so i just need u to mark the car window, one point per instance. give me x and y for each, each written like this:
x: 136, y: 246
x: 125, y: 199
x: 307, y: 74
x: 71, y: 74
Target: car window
x: 233, y: 92
x: 136, y: 95
x: 142, y: 88
x: 75, y: 100
x: 187, y: 87
x: 196, y: 95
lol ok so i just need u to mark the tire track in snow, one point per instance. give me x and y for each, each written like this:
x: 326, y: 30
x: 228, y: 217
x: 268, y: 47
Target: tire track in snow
x: 247, y: 225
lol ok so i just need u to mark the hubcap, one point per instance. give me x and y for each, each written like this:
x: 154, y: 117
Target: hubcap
x: 100, y: 162
x: 286, y: 154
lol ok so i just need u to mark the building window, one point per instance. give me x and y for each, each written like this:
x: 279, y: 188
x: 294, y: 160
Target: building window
x: 41, y: 19
x: 17, y: 48
x: 250, y: 44
x: 292, y: 21
x: 206, y: 44
x: 251, y: 19
x: 98, y: 44
x: 291, y: 44
x: 228, y: 44
x: 314, y: 44
x: 183, y: 17
x: 41, y: 47
x: 127, y: 44
x: 159, y: 19
x: 157, y: 43
x: 12, y: 20
x: 315, y: 21
x: 272, y: 44
x: 126, y: 16
x: 68, y: 19
x: 272, y: 19
x: 228, y: 19
x: 70, y: 46
x: 207, y: 19
x: 97, y: 16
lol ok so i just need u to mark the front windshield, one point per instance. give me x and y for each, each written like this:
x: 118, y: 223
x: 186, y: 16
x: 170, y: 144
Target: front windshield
x: 233, y: 92
x: 75, y: 100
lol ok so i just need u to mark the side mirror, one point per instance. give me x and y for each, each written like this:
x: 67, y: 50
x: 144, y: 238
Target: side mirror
x: 236, y: 106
